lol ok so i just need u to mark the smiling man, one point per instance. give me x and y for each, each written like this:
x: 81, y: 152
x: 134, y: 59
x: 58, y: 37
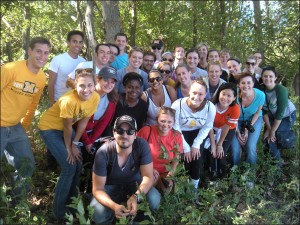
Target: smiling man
x: 123, y: 170
x: 63, y: 64
x: 121, y: 60
x: 22, y: 84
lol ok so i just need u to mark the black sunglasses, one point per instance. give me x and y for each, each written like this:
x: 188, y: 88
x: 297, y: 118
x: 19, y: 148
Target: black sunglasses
x: 151, y: 80
x: 250, y: 63
x: 121, y: 131
x: 154, y: 47
x: 170, y: 60
x: 165, y: 71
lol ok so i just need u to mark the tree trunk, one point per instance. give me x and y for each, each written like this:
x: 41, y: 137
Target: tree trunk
x: 26, y: 33
x: 9, y: 51
x: 112, y: 21
x: 258, y: 26
x: 89, y: 20
x: 133, y: 23
x: 223, y: 25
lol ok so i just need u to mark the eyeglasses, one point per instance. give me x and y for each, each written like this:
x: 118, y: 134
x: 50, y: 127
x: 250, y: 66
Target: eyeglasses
x: 155, y: 47
x: 148, y: 61
x: 165, y: 71
x: 157, y: 79
x: 121, y: 131
x: 170, y: 60
x: 250, y: 63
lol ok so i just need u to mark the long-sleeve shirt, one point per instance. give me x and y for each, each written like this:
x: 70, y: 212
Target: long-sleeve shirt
x: 187, y: 120
x: 20, y: 93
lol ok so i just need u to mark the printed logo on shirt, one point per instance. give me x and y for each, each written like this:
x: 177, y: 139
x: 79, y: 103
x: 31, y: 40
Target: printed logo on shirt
x: 25, y: 88
x: 79, y: 116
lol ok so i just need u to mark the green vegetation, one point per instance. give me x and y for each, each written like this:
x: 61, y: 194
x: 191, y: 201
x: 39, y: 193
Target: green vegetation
x: 273, y: 200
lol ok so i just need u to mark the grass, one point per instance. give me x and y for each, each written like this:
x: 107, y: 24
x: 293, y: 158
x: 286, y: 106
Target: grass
x: 273, y: 200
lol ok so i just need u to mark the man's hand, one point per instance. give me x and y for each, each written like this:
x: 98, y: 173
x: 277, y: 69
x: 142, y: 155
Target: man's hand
x: 195, y: 153
x: 121, y: 211
x: 132, y: 205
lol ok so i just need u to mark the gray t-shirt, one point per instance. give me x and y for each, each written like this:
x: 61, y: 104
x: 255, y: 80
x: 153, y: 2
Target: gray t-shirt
x: 129, y: 173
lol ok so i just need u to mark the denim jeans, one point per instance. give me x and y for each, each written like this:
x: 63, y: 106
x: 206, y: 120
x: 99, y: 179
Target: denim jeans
x: 285, y: 124
x: 68, y: 182
x: 119, y: 194
x: 249, y: 147
x: 17, y: 149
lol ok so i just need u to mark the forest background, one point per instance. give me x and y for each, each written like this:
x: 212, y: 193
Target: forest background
x: 242, y: 27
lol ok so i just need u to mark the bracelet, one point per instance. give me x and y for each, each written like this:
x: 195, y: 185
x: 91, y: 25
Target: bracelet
x: 76, y: 143
x: 137, y: 197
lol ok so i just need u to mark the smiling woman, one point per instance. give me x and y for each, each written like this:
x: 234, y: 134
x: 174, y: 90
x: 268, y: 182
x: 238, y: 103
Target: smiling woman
x: 76, y: 106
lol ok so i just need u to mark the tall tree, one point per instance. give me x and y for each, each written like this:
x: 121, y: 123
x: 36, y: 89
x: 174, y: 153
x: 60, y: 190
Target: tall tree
x: 26, y: 33
x: 111, y: 17
x: 258, y: 26
x: 89, y: 20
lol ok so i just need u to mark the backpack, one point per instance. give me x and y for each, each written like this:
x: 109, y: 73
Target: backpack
x: 136, y: 153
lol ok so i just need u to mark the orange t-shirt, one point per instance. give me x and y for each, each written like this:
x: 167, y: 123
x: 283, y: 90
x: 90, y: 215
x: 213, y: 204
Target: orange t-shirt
x: 163, y: 148
x: 229, y: 117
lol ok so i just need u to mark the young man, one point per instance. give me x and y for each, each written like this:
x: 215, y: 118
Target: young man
x: 114, y: 52
x: 63, y: 64
x: 258, y: 58
x: 123, y: 171
x: 22, y: 84
x: 148, y: 61
x: 157, y: 47
x: 103, y: 54
x: 121, y: 60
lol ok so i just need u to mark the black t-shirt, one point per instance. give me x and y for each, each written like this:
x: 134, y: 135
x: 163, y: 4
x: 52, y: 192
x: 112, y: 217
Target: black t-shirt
x: 128, y: 173
x: 138, y: 112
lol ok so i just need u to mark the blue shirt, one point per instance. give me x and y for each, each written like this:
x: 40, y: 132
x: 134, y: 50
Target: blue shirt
x: 120, y: 62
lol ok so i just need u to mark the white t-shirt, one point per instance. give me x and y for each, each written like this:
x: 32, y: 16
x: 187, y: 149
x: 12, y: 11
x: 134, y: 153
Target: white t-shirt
x: 62, y: 65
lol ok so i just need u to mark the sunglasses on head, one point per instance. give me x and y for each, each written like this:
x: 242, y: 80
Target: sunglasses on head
x: 165, y: 71
x: 121, y: 131
x: 250, y: 63
x: 170, y: 60
x: 151, y: 80
x: 156, y: 47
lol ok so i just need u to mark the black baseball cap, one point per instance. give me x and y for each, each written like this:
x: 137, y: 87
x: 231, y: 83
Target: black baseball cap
x: 108, y: 72
x: 125, y: 119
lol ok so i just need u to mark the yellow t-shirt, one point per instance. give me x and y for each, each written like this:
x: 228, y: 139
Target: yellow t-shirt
x: 171, y: 82
x: 68, y: 106
x: 20, y: 93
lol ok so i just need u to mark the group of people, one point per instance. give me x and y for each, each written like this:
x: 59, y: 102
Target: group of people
x: 158, y: 109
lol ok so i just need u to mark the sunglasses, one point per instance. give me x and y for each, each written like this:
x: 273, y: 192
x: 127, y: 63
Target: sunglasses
x: 154, y: 47
x: 250, y: 63
x: 170, y: 60
x: 121, y: 131
x: 165, y: 71
x: 157, y: 79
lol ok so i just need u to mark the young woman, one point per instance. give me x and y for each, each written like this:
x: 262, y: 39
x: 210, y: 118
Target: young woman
x: 184, y: 81
x: 277, y: 110
x: 165, y: 68
x: 56, y: 130
x: 130, y: 102
x: 235, y: 68
x: 202, y: 49
x: 135, y: 58
x: 98, y: 124
x: 224, y: 129
x: 250, y: 68
x: 213, y: 55
x: 250, y: 101
x: 194, y: 118
x: 165, y: 146
x: 157, y: 95
x: 214, y: 81
x: 192, y: 60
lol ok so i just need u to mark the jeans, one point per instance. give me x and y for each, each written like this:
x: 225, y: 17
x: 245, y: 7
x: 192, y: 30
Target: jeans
x: 17, y: 149
x: 285, y: 124
x: 67, y: 185
x: 119, y: 194
x: 249, y: 147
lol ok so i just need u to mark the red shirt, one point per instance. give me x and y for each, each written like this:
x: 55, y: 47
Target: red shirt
x: 163, y: 148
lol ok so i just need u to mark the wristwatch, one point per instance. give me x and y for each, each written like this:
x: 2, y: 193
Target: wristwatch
x: 138, y: 197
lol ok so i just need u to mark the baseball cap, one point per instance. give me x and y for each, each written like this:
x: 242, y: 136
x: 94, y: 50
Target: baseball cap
x: 132, y: 76
x: 157, y: 43
x: 125, y: 119
x: 108, y: 72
